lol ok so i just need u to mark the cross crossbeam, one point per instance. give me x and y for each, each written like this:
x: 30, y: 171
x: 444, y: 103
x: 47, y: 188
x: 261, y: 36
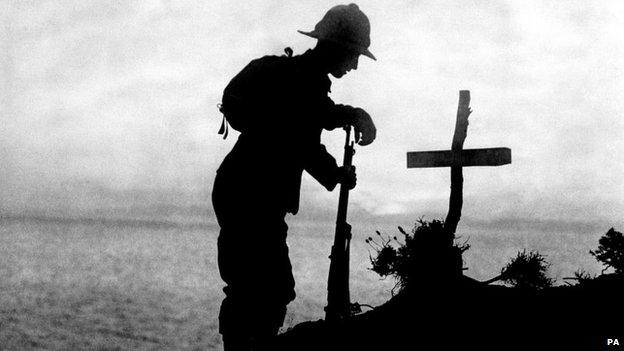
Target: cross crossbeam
x: 465, y: 158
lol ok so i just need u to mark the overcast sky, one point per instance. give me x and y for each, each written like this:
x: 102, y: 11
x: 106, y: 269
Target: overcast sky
x: 112, y: 104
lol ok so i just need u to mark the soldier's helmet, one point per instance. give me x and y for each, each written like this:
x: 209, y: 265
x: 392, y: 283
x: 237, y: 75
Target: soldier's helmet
x: 346, y: 25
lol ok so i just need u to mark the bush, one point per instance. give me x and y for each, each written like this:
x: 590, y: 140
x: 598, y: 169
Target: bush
x: 428, y: 254
x: 582, y: 277
x: 527, y: 271
x: 611, y: 251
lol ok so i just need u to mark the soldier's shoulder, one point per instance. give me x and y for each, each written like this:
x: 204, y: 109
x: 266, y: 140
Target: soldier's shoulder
x: 261, y: 69
x: 271, y: 62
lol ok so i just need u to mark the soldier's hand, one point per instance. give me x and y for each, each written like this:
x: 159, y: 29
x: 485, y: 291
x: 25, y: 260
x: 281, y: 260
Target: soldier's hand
x: 347, y: 176
x: 365, y: 131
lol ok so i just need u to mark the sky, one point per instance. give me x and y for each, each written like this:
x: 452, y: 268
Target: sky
x: 109, y: 107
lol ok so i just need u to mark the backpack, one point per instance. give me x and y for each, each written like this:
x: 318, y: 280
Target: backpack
x: 241, y: 94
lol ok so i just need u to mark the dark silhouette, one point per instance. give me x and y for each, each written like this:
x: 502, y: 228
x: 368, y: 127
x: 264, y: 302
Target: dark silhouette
x: 427, y: 255
x: 438, y: 309
x: 339, y: 306
x: 611, y: 251
x: 525, y: 271
x: 460, y: 313
x: 280, y: 105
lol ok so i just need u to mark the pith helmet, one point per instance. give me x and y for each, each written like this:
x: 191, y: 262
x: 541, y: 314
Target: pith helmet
x: 346, y: 25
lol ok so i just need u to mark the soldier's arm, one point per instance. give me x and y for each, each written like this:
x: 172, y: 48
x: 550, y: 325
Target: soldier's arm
x: 321, y: 165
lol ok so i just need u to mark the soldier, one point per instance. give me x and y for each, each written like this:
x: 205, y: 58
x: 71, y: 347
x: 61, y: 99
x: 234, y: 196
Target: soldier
x: 280, y: 104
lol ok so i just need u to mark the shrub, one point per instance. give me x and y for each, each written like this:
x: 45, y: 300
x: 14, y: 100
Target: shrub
x: 527, y: 271
x: 427, y: 254
x: 582, y: 277
x: 611, y: 251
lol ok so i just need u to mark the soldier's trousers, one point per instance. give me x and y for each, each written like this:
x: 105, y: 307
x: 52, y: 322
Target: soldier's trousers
x: 253, y: 262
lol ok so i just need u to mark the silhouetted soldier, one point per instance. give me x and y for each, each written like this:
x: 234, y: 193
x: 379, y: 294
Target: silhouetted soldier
x: 280, y: 105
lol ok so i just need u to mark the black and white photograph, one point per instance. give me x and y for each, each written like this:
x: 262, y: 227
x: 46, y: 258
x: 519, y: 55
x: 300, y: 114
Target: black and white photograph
x: 311, y: 175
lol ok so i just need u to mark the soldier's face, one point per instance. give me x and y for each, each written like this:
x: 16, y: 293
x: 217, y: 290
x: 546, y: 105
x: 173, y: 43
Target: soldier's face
x: 346, y: 61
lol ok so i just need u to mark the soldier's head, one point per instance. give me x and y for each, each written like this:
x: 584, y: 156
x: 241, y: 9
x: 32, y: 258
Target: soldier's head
x: 343, y: 35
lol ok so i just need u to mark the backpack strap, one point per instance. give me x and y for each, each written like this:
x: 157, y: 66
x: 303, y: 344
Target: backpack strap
x: 223, y: 130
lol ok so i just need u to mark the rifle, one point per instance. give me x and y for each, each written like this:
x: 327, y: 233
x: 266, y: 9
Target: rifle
x: 338, y: 300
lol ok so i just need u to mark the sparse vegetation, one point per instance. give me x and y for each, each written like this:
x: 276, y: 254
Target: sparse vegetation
x: 527, y: 271
x: 430, y: 254
x: 427, y: 254
x: 581, y: 276
x: 610, y: 251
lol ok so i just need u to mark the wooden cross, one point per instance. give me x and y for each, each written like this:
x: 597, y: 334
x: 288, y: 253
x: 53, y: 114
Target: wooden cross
x: 456, y: 158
